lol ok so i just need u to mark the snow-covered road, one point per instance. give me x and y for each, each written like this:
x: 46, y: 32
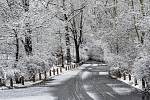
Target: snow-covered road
x: 89, y: 82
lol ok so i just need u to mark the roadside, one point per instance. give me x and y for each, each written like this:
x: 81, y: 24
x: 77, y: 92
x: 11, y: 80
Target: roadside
x: 43, y: 91
x: 54, y: 71
x: 132, y: 83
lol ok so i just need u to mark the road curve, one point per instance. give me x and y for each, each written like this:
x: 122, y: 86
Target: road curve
x: 88, y: 82
x: 93, y: 83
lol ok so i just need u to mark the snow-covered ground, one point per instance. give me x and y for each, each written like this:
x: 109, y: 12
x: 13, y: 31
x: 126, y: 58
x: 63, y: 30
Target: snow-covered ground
x: 139, y: 86
x: 39, y: 93
x: 30, y: 83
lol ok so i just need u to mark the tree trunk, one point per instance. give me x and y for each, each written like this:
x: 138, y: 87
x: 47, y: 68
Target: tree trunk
x: 17, y: 47
x: 134, y: 21
x: 67, y: 37
x: 62, y: 58
x: 77, y: 54
x: 28, y: 40
x: 67, y: 42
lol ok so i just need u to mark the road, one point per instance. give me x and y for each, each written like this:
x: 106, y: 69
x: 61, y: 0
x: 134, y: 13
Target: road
x: 90, y: 83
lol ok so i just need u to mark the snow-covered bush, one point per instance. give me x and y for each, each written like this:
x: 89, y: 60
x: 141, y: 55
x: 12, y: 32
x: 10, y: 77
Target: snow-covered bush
x: 30, y: 65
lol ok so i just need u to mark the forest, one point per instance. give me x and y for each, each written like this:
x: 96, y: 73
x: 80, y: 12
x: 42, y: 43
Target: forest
x: 39, y: 34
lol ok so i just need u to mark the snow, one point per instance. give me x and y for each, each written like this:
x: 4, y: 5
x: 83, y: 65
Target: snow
x: 27, y: 84
x: 103, y: 73
x: 3, y: 88
x: 131, y: 83
x: 103, y: 64
x: 85, y: 75
x: 94, y: 65
x: 64, y: 77
x: 121, y: 90
x: 39, y: 93
x: 85, y: 65
x: 44, y: 97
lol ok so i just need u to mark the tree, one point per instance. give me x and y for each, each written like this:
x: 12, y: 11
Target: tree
x: 77, y: 31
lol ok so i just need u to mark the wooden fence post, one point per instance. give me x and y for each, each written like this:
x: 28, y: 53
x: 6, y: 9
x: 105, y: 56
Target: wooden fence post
x: 50, y: 73
x: 129, y: 77
x: 124, y: 76
x: 17, y: 80
x: 68, y: 68
x: 57, y: 71
x: 0, y: 81
x: 135, y: 81
x: 60, y: 70
x: 22, y: 80
x: 45, y: 76
x: 53, y: 71
x: 143, y: 83
x: 11, y: 82
x: 33, y: 78
x: 40, y: 77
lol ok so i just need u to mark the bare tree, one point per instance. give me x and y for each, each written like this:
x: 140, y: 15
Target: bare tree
x: 77, y: 33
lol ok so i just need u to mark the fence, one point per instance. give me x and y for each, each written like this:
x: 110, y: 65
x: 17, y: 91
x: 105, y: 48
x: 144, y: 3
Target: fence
x: 41, y: 76
x: 136, y: 81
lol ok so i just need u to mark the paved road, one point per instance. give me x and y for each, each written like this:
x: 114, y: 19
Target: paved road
x: 91, y: 83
